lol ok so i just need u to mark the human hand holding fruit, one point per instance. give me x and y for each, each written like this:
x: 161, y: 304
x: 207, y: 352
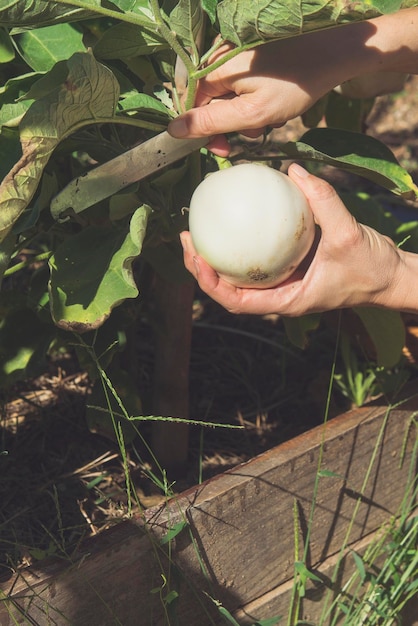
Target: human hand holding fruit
x: 351, y: 265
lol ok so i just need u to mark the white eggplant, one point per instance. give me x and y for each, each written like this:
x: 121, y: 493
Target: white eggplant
x: 252, y: 224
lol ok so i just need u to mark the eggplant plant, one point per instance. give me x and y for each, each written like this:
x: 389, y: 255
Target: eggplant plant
x: 82, y: 81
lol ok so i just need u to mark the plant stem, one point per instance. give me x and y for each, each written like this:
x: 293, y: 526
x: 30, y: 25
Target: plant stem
x: 170, y: 36
x: 204, y: 71
x: 44, y: 256
x: 131, y: 18
x: 191, y: 93
x: 173, y: 323
x: 206, y: 56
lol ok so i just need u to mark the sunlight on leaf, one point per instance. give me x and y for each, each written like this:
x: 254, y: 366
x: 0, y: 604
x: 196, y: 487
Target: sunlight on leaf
x: 244, y: 23
x: 89, y: 93
x: 41, y: 12
x: 354, y: 152
x: 43, y: 47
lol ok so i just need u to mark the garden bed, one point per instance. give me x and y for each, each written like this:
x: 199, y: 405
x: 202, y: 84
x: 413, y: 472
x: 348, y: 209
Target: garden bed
x: 233, y: 537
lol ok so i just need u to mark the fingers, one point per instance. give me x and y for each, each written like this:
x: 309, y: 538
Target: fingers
x: 233, y: 299
x: 207, y: 278
x: 203, y: 121
x: 327, y: 207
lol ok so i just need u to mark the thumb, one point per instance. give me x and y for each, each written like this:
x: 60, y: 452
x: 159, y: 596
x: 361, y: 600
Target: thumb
x: 216, y: 118
x: 327, y: 207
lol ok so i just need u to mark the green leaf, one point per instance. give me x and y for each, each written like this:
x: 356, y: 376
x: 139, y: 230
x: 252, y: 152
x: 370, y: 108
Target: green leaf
x: 175, y: 530
x: 347, y: 113
x: 324, y: 473
x: 209, y: 6
x: 141, y: 102
x: 303, y: 575
x: 41, y: 12
x: 387, y: 331
x: 11, y: 114
x: 315, y: 113
x: 125, y: 41
x: 91, y: 273
x: 43, y: 47
x: 359, y: 565
x: 16, y: 87
x: 171, y: 597
x: 246, y: 23
x: 354, y: 152
x: 89, y: 94
x: 137, y: 7
x: 7, y: 52
x: 298, y: 328
x: 186, y: 20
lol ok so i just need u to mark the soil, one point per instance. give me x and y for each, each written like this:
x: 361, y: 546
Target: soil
x: 62, y: 483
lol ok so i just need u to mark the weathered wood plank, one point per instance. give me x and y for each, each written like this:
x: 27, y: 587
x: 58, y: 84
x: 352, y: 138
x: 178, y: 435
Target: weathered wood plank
x: 243, y: 521
x: 317, y: 604
x: 239, y: 531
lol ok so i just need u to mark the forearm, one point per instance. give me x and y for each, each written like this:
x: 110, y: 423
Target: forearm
x: 385, y: 44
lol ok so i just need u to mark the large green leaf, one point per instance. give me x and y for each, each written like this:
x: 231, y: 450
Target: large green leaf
x: 40, y: 12
x: 91, y: 273
x: 36, y: 13
x: 186, y: 20
x: 43, y: 47
x: 90, y: 93
x: 387, y: 331
x: 354, y: 152
x: 125, y: 41
x: 244, y: 23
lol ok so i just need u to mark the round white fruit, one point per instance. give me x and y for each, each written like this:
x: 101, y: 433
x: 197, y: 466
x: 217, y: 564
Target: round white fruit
x: 252, y: 224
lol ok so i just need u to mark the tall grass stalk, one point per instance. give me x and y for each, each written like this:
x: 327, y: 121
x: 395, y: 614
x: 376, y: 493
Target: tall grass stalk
x: 377, y: 596
x: 162, y: 547
x: 386, y: 576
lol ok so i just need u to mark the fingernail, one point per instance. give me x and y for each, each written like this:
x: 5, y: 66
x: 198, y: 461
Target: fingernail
x: 299, y: 170
x: 178, y: 128
x: 196, y: 264
x: 183, y: 241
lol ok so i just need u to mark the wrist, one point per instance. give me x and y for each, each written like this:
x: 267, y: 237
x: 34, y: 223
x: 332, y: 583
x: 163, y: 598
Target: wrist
x: 401, y: 293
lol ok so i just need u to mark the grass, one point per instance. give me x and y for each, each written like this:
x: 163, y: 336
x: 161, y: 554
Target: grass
x: 65, y: 491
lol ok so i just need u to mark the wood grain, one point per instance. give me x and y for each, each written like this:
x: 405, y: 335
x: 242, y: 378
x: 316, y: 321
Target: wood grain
x: 238, y: 538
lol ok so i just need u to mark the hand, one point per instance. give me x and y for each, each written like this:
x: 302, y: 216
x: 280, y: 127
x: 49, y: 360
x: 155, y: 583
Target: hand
x: 247, y: 94
x: 272, y: 83
x: 352, y: 265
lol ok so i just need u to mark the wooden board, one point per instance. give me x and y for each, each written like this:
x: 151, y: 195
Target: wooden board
x: 237, y: 541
